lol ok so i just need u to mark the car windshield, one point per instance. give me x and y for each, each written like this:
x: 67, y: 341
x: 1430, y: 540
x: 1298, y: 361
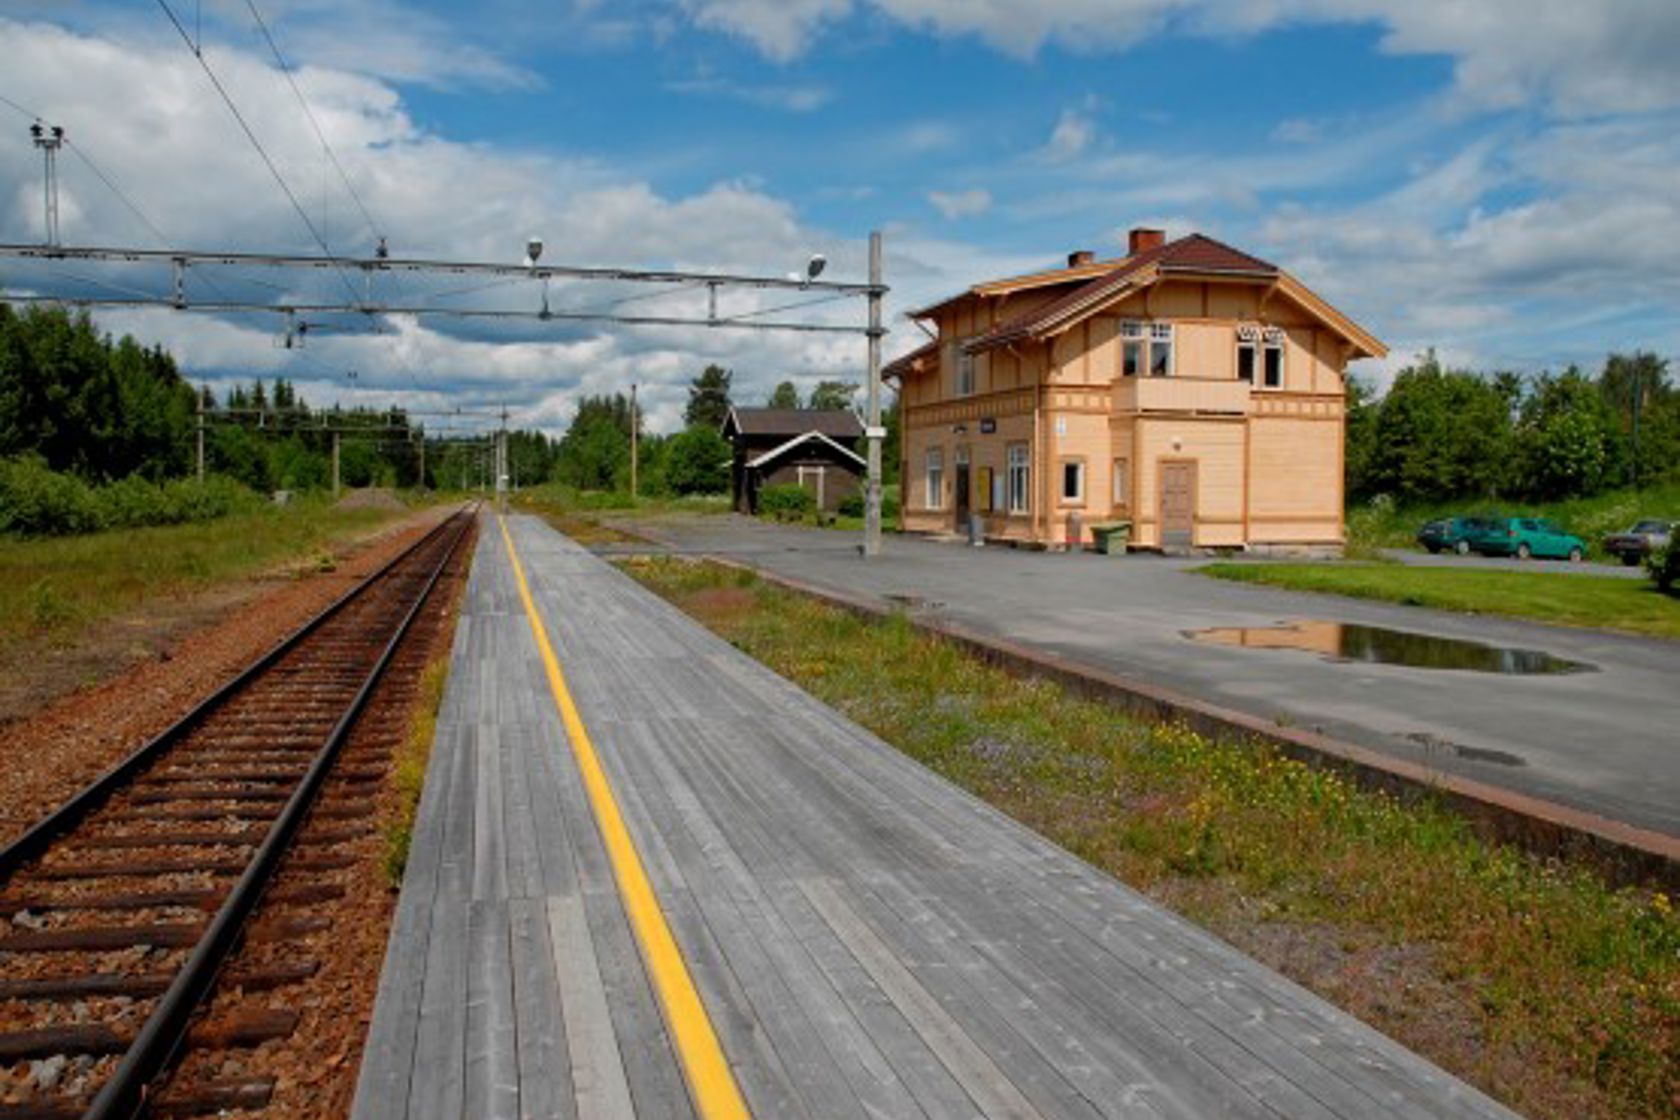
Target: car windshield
x: 1650, y: 527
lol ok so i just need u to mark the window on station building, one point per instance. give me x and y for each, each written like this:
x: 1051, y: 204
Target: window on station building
x: 1132, y: 347
x: 1248, y: 352
x: 1160, y: 350
x: 1020, y: 478
x: 1073, y: 481
x: 1122, y: 484
x: 935, y: 478
x: 1273, y: 358
x: 965, y: 372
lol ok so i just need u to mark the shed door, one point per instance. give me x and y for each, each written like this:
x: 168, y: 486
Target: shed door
x: 1178, y: 504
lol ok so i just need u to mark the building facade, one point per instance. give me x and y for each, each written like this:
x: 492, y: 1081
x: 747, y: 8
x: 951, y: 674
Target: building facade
x: 1188, y: 388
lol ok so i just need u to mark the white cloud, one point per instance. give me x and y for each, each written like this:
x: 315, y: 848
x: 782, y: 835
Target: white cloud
x: 961, y: 204
x: 147, y: 116
x: 1070, y: 138
x: 1604, y: 56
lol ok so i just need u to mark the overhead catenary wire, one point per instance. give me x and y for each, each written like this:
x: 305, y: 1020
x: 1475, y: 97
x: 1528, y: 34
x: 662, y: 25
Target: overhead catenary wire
x: 268, y: 161
x: 286, y: 69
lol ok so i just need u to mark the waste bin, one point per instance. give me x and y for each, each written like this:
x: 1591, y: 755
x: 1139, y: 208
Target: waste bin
x: 1111, y: 538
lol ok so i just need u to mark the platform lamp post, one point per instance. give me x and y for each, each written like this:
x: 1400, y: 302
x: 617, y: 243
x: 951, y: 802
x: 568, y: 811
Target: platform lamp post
x: 49, y: 140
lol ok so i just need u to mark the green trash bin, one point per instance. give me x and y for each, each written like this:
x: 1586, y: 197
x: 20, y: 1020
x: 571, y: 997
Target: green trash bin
x: 1111, y: 538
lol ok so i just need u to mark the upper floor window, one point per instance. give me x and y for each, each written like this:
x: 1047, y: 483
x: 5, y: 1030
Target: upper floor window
x: 1248, y: 352
x: 1146, y: 346
x: 1073, y: 482
x: 1273, y: 354
x: 965, y: 372
x: 1160, y: 350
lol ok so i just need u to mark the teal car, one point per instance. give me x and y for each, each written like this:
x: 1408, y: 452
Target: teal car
x: 1453, y: 534
x: 1524, y: 537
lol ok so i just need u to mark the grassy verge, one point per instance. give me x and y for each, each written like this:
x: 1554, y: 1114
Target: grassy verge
x: 580, y: 514
x: 408, y: 774
x: 1371, y: 527
x: 54, y: 587
x: 1632, y: 606
x: 1537, y: 982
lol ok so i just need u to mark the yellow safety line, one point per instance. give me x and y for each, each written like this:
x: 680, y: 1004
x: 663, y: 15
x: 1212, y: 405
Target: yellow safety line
x: 710, y: 1081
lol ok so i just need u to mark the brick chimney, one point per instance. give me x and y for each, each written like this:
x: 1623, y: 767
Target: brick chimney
x: 1142, y: 239
x: 1080, y: 257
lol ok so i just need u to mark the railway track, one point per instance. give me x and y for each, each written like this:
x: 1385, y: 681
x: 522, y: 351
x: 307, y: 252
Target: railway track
x: 119, y: 912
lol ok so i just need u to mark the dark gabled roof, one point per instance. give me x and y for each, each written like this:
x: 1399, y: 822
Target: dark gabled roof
x: 1195, y: 253
x: 785, y: 423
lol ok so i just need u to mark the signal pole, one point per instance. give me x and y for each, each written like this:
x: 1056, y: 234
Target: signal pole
x: 49, y: 140
x: 874, y: 432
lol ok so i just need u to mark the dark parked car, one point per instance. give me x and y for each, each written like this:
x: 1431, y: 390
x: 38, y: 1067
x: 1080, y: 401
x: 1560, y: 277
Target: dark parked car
x: 1640, y: 541
x: 1452, y: 534
x: 1523, y: 537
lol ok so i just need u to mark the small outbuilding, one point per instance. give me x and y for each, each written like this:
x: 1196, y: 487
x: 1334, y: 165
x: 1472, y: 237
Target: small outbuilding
x: 802, y: 447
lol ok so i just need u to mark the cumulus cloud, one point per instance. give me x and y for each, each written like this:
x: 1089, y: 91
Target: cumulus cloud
x: 148, y: 117
x: 961, y: 204
x: 1607, y: 56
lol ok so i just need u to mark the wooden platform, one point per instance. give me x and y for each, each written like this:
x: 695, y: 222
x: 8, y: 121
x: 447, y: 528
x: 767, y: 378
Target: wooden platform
x: 868, y: 939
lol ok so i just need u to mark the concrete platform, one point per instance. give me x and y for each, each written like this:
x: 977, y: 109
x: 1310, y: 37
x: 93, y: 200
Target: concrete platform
x: 867, y: 939
x: 1601, y: 742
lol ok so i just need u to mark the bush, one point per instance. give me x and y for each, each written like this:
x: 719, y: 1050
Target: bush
x: 697, y: 462
x: 851, y: 506
x: 1664, y: 566
x: 788, y: 502
x: 37, y: 502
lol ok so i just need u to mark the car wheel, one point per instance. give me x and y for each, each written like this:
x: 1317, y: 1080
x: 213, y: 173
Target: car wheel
x: 1523, y: 551
x: 1462, y: 548
x: 1630, y: 560
x: 1432, y: 549
x: 1575, y: 555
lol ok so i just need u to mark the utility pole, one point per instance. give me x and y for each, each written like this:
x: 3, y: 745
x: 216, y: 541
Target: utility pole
x: 422, y: 460
x: 202, y: 389
x: 502, y: 463
x: 335, y: 462
x: 49, y: 140
x: 633, y: 427
x: 874, y: 431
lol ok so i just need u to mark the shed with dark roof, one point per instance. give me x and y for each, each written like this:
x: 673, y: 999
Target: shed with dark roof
x: 813, y: 448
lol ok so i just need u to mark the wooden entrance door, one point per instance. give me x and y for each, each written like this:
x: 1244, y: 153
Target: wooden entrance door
x: 1178, y: 503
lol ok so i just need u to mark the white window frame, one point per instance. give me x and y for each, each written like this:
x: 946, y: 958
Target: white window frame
x: 1122, y: 491
x: 964, y: 385
x: 1018, y: 484
x: 1273, y: 339
x: 1248, y: 342
x: 1132, y: 333
x: 934, y: 477
x: 1159, y: 334
x: 1077, y: 498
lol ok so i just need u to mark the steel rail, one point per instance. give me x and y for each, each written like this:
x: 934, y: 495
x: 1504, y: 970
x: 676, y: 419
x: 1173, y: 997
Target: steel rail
x: 123, y: 1096
x: 61, y: 820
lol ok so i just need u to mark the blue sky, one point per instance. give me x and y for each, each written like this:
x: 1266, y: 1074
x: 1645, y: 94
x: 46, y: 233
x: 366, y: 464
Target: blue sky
x: 1498, y: 181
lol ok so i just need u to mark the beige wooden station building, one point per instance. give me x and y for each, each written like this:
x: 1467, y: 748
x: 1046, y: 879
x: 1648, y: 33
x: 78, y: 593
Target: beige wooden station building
x: 1188, y: 388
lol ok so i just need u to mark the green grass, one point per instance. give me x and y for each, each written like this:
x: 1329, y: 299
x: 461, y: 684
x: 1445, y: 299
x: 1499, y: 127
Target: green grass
x: 53, y: 588
x: 1533, y: 979
x: 1381, y: 526
x: 1629, y: 605
x: 408, y: 776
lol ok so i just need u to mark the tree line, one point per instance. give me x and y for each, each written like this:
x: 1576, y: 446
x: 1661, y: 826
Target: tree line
x: 1441, y: 433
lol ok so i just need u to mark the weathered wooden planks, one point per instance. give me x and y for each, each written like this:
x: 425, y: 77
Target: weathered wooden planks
x: 869, y: 940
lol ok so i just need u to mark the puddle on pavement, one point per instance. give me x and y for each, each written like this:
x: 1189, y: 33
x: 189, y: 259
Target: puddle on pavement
x: 1350, y: 641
